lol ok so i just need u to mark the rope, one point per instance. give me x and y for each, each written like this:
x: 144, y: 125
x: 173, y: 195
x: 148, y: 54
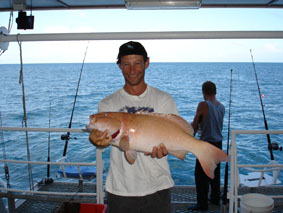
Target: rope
x: 10, y: 25
x: 24, y: 121
x: 6, y: 168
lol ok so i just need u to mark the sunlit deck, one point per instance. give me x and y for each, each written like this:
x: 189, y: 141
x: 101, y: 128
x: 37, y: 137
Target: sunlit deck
x: 181, y: 197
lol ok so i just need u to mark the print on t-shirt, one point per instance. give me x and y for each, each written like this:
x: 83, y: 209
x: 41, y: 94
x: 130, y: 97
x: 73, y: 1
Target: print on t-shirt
x: 136, y: 109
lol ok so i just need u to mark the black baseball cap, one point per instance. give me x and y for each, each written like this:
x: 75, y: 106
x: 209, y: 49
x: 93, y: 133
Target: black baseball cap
x: 131, y: 48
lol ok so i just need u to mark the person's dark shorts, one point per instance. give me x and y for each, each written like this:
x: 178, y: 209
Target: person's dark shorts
x: 158, y: 202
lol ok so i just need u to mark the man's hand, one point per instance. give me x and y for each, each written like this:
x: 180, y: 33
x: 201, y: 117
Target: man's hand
x: 158, y: 151
x: 99, y: 139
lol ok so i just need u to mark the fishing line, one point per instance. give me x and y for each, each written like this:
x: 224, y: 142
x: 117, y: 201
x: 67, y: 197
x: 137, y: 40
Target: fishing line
x: 224, y: 198
x: 262, y: 108
x: 67, y: 136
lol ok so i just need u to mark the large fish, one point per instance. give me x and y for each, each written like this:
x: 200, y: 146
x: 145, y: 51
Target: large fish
x: 142, y: 131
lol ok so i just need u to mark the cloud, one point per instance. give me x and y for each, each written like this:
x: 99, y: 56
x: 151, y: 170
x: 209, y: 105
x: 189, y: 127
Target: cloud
x: 271, y: 47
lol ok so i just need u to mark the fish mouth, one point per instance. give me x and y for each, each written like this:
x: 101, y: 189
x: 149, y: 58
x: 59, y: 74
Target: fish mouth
x: 92, y: 119
x: 115, y: 134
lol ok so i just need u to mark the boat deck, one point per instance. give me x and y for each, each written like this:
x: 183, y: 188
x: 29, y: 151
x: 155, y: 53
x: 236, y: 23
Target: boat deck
x: 181, y: 198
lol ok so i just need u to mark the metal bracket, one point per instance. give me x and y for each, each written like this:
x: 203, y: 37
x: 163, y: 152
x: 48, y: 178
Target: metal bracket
x: 4, y: 45
x: 19, y: 5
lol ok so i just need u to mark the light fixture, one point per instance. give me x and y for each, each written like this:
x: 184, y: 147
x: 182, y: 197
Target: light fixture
x: 162, y: 4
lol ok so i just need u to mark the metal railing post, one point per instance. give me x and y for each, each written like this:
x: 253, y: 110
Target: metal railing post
x: 99, y: 176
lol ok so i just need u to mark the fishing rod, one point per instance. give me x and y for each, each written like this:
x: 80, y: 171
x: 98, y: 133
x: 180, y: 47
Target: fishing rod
x: 225, y: 189
x: 67, y: 136
x: 6, y: 168
x: 262, y: 108
x: 48, y: 156
x: 49, y: 180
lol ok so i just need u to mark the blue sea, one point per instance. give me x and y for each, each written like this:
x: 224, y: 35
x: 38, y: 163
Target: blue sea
x: 50, y: 91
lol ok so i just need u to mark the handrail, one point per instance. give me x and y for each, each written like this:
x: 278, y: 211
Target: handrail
x: 236, y: 132
x: 49, y: 192
x: 42, y: 129
x: 99, y: 165
x: 143, y: 35
x: 259, y: 165
x: 50, y: 163
x: 234, y: 179
x: 253, y: 132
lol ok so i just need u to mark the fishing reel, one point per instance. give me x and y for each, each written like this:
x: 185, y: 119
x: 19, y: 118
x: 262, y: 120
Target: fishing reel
x: 45, y: 181
x: 67, y: 137
x: 274, y: 146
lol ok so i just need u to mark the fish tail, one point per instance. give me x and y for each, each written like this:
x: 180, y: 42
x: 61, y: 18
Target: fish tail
x: 209, y: 156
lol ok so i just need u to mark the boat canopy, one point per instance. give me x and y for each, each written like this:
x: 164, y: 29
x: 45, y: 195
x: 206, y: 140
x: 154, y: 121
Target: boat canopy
x: 22, y: 5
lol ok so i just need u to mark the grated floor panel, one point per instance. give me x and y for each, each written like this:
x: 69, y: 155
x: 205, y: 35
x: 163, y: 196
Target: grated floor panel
x: 181, y: 198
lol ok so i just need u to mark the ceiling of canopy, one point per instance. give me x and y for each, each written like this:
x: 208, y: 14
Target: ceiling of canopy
x: 16, y: 5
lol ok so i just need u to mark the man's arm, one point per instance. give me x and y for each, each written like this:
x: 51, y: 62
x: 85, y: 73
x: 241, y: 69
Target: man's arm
x: 201, y: 114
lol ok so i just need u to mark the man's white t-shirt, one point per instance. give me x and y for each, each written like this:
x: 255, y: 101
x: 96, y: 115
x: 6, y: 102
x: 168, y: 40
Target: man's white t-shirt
x: 147, y: 175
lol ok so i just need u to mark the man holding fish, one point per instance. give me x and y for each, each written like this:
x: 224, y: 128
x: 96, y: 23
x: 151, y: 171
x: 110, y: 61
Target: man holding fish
x: 143, y: 186
x: 142, y: 124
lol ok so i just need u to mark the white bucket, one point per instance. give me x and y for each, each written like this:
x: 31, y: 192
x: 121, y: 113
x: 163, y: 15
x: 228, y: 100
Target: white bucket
x: 256, y: 203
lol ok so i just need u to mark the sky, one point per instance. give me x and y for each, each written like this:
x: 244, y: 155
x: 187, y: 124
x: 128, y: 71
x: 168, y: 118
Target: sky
x: 122, y: 20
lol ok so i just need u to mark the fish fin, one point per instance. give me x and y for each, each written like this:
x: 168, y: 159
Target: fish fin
x: 124, y: 143
x: 131, y: 156
x: 209, y: 156
x: 179, y: 154
x: 125, y: 146
x: 182, y: 123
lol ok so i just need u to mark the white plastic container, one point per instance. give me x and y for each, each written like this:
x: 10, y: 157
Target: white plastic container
x: 256, y: 203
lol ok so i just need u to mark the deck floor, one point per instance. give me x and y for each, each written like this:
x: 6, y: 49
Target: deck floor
x: 184, y: 196
x: 181, y: 198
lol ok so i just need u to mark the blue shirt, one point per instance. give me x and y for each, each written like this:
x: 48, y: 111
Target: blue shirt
x: 211, y: 127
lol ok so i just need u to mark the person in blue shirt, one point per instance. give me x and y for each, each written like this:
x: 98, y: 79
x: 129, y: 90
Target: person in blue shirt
x: 209, y: 121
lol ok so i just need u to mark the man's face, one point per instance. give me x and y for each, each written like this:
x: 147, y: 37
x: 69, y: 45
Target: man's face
x: 204, y: 96
x: 133, y: 68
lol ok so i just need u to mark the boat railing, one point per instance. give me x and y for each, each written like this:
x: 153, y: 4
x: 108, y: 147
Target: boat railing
x: 234, y: 168
x: 99, y: 168
x: 143, y: 35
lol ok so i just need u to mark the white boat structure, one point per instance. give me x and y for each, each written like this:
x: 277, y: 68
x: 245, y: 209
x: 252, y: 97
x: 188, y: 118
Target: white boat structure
x: 53, y: 196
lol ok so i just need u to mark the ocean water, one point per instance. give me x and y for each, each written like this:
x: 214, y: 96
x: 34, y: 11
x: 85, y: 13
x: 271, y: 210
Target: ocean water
x: 50, y: 91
